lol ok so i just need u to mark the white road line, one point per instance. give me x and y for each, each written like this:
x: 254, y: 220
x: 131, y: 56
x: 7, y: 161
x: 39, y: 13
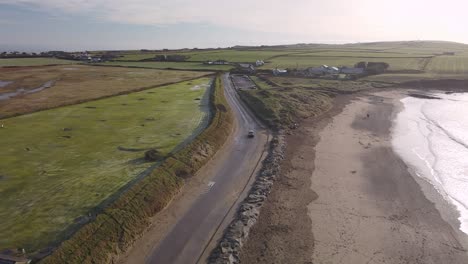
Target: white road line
x: 207, y: 188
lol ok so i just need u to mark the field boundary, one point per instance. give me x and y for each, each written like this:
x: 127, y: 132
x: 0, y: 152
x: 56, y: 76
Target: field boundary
x: 115, y: 229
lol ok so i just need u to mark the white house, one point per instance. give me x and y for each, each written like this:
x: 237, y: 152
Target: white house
x: 322, y: 70
x: 247, y: 67
x: 333, y: 70
x: 279, y: 71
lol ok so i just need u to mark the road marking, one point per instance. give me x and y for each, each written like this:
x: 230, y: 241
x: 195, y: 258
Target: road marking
x: 208, y: 187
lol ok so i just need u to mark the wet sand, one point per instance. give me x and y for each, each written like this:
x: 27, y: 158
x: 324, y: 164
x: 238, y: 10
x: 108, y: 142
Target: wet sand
x: 345, y: 197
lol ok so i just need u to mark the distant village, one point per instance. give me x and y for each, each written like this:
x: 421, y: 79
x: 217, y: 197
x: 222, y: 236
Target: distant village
x: 328, y: 72
x: 324, y: 71
x: 78, y: 56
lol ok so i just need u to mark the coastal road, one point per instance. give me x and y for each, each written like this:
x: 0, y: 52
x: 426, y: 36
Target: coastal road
x: 226, y: 180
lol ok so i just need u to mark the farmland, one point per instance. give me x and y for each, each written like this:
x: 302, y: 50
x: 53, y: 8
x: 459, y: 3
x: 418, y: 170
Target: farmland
x: 77, y: 83
x: 170, y: 65
x: 57, y: 165
x: 361, y: 54
x: 448, y: 65
x: 200, y: 56
x: 34, y: 62
x: 315, y: 61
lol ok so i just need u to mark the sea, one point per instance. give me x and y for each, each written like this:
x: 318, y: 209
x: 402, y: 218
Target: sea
x: 431, y: 136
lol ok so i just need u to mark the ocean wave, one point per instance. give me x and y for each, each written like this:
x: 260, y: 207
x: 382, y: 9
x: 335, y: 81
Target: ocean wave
x: 431, y: 136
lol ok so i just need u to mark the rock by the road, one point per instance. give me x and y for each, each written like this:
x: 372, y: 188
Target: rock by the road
x: 228, y: 250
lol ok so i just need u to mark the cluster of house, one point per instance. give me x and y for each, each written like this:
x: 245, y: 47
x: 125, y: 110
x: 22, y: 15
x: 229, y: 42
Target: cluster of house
x: 325, y: 71
x: 331, y: 70
x: 246, y: 66
x: 17, y: 54
x: 92, y: 58
x: 216, y: 62
x: 249, y: 67
x: 84, y: 56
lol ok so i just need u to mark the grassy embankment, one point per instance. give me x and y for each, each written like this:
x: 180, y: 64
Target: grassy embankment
x: 281, y: 101
x: 56, y: 166
x: 34, y: 62
x: 78, y: 83
x: 121, y: 222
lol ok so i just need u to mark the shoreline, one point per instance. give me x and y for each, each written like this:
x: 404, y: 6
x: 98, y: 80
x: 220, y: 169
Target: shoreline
x: 447, y: 210
x: 344, y: 194
x: 370, y: 208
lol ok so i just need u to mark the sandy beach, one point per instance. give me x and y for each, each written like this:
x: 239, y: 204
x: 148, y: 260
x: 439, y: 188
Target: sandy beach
x: 346, y: 197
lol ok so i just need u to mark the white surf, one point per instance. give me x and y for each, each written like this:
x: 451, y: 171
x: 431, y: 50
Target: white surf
x: 431, y: 136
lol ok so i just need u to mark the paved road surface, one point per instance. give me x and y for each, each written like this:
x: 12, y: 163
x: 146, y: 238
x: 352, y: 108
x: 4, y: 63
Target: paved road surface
x: 195, y: 228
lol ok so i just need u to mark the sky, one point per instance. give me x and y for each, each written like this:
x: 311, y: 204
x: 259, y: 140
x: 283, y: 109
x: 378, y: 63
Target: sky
x: 35, y: 25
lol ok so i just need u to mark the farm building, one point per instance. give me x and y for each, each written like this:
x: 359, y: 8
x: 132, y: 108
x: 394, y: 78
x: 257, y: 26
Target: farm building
x: 355, y: 71
x: 279, y: 72
x: 217, y: 62
x: 373, y: 67
x: 245, y: 67
x: 259, y: 63
x: 322, y: 70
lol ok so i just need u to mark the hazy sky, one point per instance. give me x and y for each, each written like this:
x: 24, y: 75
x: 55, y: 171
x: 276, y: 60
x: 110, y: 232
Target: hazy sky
x: 154, y: 24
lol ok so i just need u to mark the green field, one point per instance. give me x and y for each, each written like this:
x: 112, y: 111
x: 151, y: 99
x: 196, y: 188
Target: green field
x: 34, y: 62
x: 236, y: 56
x: 200, y: 56
x: 361, y: 54
x: 57, y: 165
x: 448, y: 65
x: 171, y: 65
x: 77, y: 84
x: 315, y: 61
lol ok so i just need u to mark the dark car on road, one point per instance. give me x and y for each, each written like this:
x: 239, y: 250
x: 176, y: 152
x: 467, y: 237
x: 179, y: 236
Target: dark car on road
x: 251, y: 134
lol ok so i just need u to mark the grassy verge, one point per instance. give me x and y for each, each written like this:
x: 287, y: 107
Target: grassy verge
x: 116, y: 227
x: 282, y: 101
x: 281, y: 107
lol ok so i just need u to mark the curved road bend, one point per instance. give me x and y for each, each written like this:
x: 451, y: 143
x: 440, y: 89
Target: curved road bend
x: 204, y: 220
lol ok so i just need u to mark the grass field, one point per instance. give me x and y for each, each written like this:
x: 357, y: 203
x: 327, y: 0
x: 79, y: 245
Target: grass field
x: 360, y: 54
x: 315, y: 61
x: 34, y: 62
x: 448, y: 65
x: 200, y: 56
x: 171, y: 65
x: 57, y: 165
x: 236, y: 56
x: 77, y: 83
